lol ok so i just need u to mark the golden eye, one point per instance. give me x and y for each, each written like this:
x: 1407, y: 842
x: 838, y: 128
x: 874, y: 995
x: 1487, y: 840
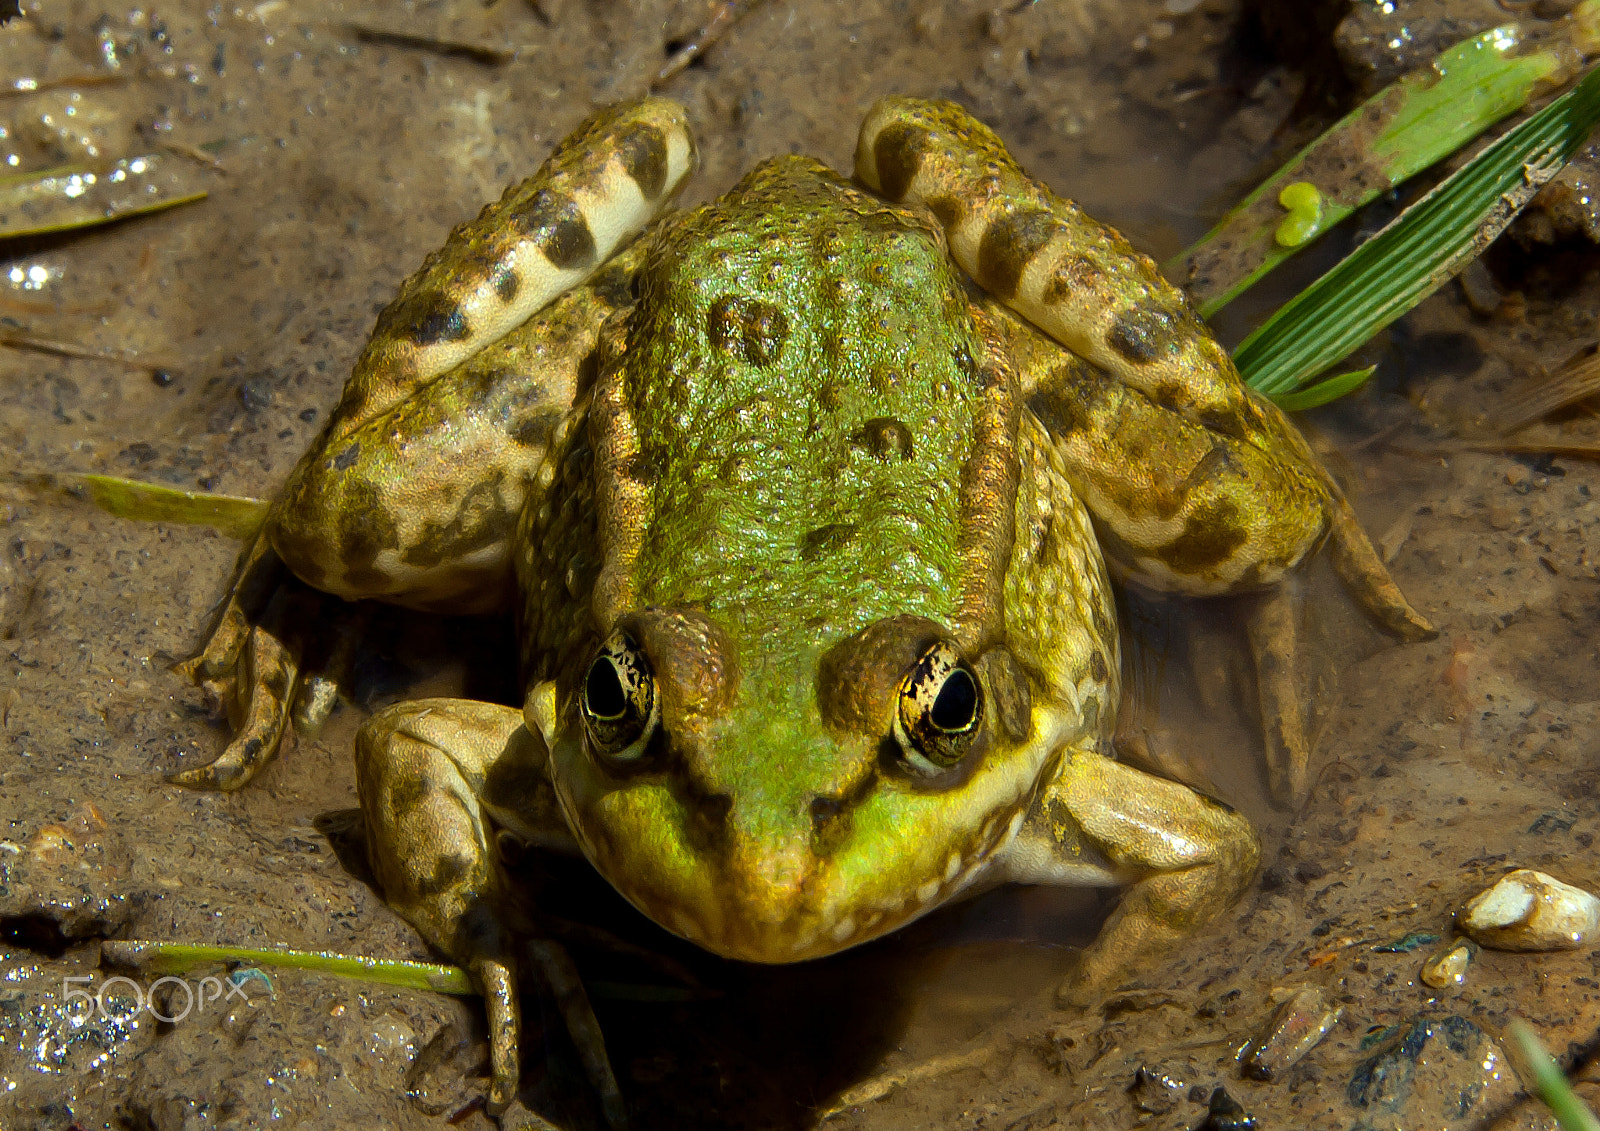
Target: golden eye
x: 619, y: 698
x: 941, y: 707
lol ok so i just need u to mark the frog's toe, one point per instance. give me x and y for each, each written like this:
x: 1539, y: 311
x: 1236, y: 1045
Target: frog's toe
x: 1271, y: 627
x: 561, y: 979
x: 263, y: 687
x: 498, y: 980
x: 260, y: 574
x: 1362, y: 569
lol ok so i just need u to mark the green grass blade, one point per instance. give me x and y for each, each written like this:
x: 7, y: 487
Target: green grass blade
x: 233, y: 515
x: 57, y: 200
x: 174, y: 958
x: 1422, y: 249
x: 1395, y: 134
x: 1542, y: 1076
x: 1323, y: 392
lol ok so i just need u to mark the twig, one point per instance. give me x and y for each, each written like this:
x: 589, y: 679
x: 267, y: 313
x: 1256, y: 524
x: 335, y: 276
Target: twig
x: 34, y: 86
x: 82, y: 353
x: 195, y: 153
x: 1555, y: 448
x: 477, y: 52
x: 727, y: 14
x: 1577, y: 380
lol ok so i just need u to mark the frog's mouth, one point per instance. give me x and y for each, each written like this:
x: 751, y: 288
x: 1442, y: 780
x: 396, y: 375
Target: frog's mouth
x: 749, y: 895
x: 773, y: 907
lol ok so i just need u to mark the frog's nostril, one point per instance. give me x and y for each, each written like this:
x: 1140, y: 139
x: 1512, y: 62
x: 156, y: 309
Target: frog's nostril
x: 824, y: 810
x: 708, y: 820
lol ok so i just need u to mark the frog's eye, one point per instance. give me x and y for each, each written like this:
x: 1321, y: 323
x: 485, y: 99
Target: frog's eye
x: 619, y: 698
x: 941, y: 706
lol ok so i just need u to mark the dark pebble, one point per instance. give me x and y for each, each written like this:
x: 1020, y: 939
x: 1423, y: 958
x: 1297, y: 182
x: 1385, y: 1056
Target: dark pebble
x: 1226, y: 1114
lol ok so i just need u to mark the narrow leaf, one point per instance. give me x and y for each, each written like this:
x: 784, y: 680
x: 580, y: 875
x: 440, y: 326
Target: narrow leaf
x: 76, y: 197
x: 1313, y: 396
x: 174, y: 958
x: 1421, y: 250
x: 1395, y: 134
x: 232, y: 515
x: 1542, y: 1076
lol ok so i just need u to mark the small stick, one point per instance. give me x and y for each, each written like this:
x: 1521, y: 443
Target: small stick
x: 195, y: 153
x: 82, y: 353
x: 477, y: 52
x: 34, y: 86
x: 726, y: 15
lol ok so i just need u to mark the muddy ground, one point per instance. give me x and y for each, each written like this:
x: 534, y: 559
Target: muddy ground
x: 340, y: 160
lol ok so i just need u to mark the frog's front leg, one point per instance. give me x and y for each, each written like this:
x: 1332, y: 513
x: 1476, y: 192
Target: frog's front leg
x: 1186, y: 857
x: 437, y: 778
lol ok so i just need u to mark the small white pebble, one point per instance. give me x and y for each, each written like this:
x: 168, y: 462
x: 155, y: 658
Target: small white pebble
x: 1528, y: 910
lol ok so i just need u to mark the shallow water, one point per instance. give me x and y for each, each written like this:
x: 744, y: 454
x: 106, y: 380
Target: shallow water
x: 342, y: 162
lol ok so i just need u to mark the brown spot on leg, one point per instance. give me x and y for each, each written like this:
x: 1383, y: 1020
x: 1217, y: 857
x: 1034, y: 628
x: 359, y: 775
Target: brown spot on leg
x: 426, y: 318
x: 366, y: 529
x: 505, y: 281
x: 1174, y: 396
x: 644, y: 156
x: 447, y: 871
x: 407, y: 793
x: 480, y: 520
x: 1074, y: 274
x: 1211, y: 535
x: 1143, y: 334
x: 1065, y: 399
x: 946, y: 209
x: 1008, y: 243
x: 557, y: 223
x: 898, y: 151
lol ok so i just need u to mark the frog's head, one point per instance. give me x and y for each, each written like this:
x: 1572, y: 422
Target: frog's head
x: 787, y: 810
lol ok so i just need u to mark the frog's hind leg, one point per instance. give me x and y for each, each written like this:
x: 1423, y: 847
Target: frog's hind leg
x: 435, y: 779
x: 1180, y: 508
x: 416, y: 507
x: 1186, y: 857
x: 1081, y: 283
x: 546, y: 235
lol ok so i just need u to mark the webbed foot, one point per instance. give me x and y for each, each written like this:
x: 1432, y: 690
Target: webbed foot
x: 260, y: 665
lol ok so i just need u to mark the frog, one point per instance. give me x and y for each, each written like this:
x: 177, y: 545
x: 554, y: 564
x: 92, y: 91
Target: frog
x: 809, y: 505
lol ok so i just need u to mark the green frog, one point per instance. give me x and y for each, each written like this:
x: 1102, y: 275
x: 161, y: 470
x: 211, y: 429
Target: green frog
x: 807, y: 503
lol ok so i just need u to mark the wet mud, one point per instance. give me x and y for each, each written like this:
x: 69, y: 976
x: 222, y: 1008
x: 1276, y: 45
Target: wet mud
x: 338, y: 155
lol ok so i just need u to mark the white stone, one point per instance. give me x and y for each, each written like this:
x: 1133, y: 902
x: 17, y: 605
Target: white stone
x: 1528, y: 910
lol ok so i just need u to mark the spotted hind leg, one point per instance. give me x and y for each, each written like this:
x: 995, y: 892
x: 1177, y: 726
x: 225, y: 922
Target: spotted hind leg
x: 1082, y: 284
x: 416, y: 507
